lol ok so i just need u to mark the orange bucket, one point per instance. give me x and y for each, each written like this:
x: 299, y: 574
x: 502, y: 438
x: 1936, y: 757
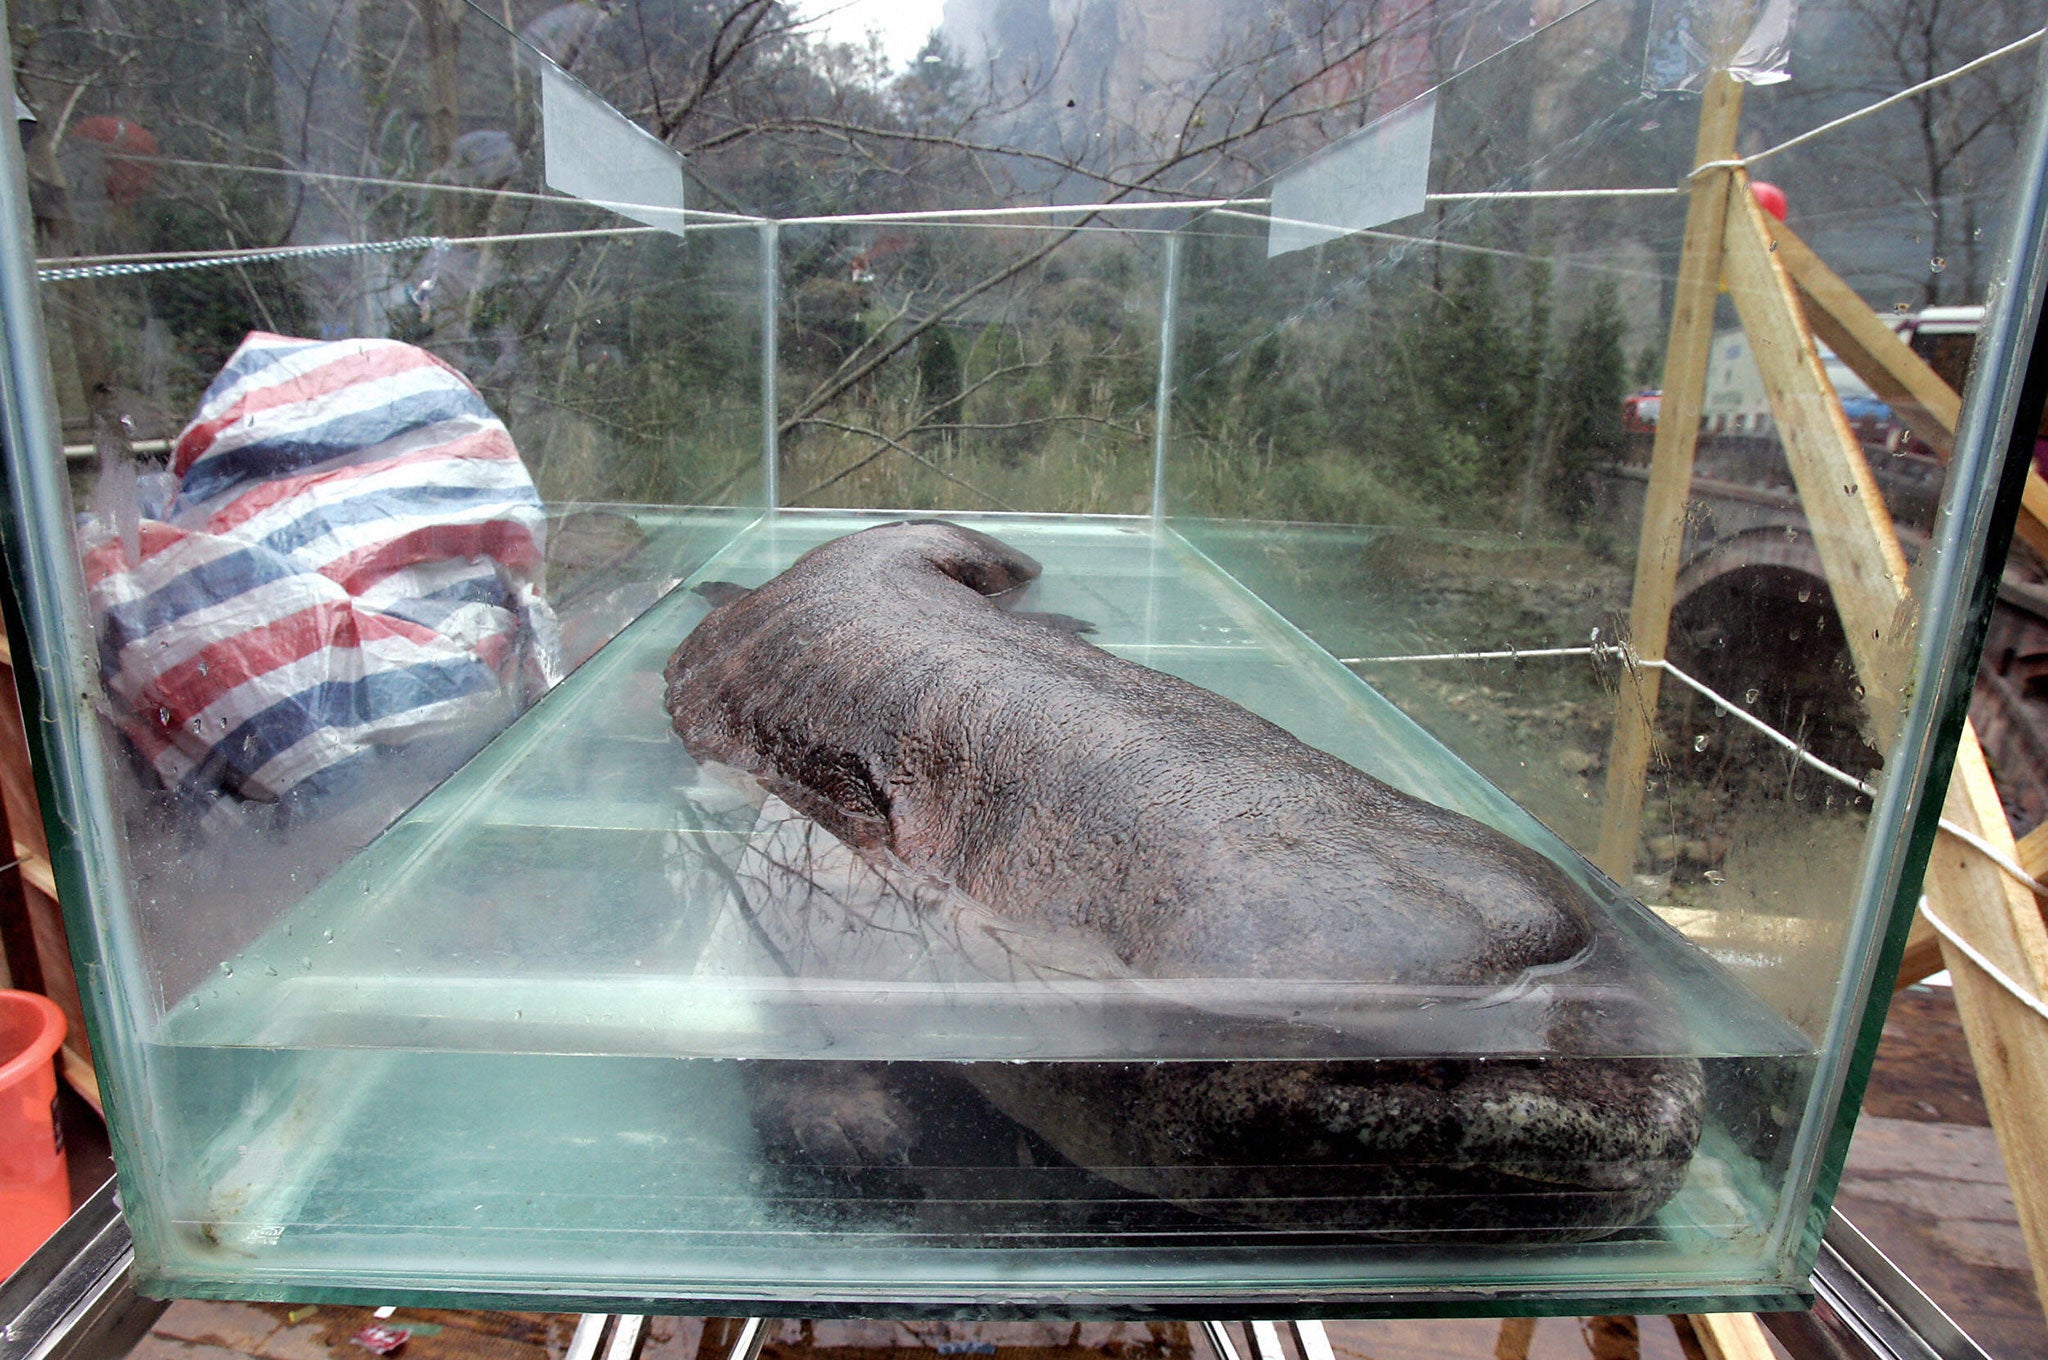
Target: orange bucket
x: 35, y: 1189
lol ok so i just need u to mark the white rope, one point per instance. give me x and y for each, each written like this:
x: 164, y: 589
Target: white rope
x: 2012, y: 867
x: 103, y: 266
x: 1024, y: 210
x: 1933, y: 82
x: 1481, y: 195
x: 2024, y: 995
x: 1510, y: 655
x: 704, y: 216
x: 1723, y: 702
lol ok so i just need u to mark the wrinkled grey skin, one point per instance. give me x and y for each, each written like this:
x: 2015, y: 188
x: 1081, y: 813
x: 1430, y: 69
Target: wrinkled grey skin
x: 877, y: 688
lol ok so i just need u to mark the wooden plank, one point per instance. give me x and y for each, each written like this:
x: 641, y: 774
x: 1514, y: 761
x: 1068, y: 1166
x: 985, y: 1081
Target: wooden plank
x: 1661, y: 539
x: 2033, y: 848
x: 1852, y: 530
x: 1922, y: 959
x: 1731, y: 1336
x: 1931, y: 409
x: 1866, y: 571
x: 38, y: 872
x: 1515, y: 1335
x: 2008, y: 1041
x: 2032, y: 526
x: 1872, y: 350
x: 24, y: 822
x: 1613, y: 1336
x: 17, y: 781
x: 78, y: 1073
x: 1926, y: 404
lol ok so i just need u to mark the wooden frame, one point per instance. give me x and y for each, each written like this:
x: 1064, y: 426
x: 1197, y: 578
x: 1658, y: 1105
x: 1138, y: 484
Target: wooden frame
x: 1786, y: 298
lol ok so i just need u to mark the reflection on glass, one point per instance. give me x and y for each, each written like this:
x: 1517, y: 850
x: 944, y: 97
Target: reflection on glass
x: 423, y: 391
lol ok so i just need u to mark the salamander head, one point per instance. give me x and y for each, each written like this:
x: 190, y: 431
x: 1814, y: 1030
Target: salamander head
x: 977, y: 561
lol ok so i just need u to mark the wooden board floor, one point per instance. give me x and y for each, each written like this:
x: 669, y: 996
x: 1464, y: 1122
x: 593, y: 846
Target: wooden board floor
x: 1926, y: 1184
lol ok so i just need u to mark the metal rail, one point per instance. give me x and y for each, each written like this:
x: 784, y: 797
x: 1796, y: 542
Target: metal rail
x: 1865, y: 1308
x: 75, y: 1299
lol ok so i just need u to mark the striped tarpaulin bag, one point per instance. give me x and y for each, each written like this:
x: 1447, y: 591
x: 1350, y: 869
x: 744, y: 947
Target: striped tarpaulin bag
x: 349, y: 560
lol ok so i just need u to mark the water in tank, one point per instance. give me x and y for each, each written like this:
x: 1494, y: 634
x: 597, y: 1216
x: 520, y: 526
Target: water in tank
x: 691, y: 659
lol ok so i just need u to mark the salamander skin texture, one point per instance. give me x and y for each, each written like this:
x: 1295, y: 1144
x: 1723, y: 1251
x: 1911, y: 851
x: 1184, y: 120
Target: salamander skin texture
x: 879, y: 687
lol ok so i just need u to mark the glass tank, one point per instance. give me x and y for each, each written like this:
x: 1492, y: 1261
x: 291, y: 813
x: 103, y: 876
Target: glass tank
x: 1121, y: 662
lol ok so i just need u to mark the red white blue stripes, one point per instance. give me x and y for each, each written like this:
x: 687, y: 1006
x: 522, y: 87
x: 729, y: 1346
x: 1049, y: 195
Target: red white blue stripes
x: 352, y: 560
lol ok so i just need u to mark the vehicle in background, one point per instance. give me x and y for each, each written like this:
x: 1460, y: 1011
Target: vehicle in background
x: 1735, y: 403
x: 1945, y: 337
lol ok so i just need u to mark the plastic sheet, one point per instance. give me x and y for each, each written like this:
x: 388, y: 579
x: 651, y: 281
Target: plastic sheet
x: 1378, y: 174
x: 1685, y: 36
x: 347, y: 557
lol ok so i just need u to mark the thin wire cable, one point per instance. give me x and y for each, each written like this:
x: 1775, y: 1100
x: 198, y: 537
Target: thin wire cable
x: 706, y: 216
x: 2023, y: 994
x: 63, y: 274
x: 1024, y: 210
x: 1805, y: 756
x: 1511, y: 654
x: 47, y: 268
x: 1484, y: 195
x: 101, y: 267
x: 1610, y: 651
x: 58, y: 268
x: 244, y: 255
x: 1933, y: 82
x: 1585, y: 265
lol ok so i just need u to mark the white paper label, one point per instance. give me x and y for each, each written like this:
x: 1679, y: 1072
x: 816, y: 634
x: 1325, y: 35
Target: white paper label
x: 1379, y: 173
x: 597, y: 153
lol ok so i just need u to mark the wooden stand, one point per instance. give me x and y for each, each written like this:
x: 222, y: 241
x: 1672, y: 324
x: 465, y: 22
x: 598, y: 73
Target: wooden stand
x: 1785, y: 295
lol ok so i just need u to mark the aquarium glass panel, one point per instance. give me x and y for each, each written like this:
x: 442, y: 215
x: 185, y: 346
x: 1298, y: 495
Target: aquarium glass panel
x: 1097, y: 662
x: 994, y: 366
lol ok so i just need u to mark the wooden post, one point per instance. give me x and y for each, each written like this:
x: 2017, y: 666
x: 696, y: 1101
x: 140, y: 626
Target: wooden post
x: 1663, y: 529
x: 1852, y: 530
x: 2008, y: 1041
x: 1872, y: 350
x: 1730, y: 1336
x: 1662, y: 541
x: 1926, y: 404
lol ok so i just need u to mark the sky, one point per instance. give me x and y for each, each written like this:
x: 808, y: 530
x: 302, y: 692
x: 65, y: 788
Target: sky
x: 903, y: 24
